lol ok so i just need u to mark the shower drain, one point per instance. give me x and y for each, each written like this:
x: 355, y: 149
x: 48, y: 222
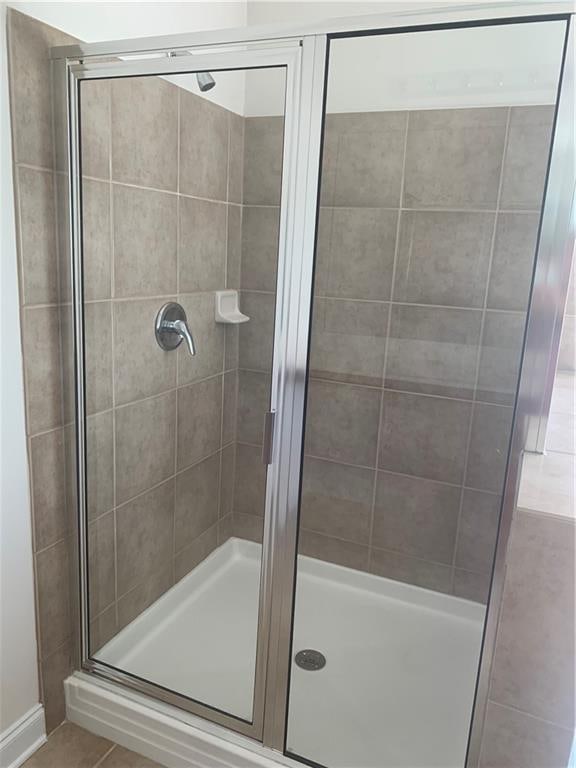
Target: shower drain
x: 310, y: 660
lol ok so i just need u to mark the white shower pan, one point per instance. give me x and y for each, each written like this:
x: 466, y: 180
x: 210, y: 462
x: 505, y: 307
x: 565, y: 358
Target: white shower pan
x: 400, y: 660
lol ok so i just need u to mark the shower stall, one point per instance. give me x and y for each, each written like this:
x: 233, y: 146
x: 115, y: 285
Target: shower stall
x: 314, y: 277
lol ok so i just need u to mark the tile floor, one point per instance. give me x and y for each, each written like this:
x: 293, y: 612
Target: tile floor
x: 70, y: 746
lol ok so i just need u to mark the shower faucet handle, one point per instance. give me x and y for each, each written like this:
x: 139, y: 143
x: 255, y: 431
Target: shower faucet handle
x: 172, y: 328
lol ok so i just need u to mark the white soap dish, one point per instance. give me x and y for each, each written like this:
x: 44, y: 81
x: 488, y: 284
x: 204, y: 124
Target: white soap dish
x: 227, y: 310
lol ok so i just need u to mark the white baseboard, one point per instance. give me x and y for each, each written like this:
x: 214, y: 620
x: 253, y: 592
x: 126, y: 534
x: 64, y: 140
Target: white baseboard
x: 23, y: 738
x: 160, y: 732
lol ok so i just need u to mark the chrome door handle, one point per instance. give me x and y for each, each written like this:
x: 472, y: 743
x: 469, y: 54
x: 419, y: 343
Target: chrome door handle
x: 172, y: 328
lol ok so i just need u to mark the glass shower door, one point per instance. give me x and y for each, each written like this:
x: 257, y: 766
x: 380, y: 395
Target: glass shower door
x: 180, y: 212
x: 433, y: 175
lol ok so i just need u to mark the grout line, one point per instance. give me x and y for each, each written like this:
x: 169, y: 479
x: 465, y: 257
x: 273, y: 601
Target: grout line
x: 524, y: 712
x: 104, y: 756
x: 387, y: 343
x: 177, y: 363
x: 480, y: 346
x: 113, y: 361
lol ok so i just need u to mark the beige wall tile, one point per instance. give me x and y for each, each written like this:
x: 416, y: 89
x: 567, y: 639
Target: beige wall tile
x: 42, y: 367
x: 488, y: 452
x: 256, y: 337
x: 369, y: 158
x: 208, y: 337
x: 263, y: 147
x: 477, y: 531
x: 39, y: 254
x: 356, y: 253
x: 421, y: 573
x: 342, y: 422
x: 472, y: 586
x: 526, y: 158
x: 337, y: 500
x: 433, y: 350
x: 502, y: 342
x: 513, y: 260
x: 98, y: 355
x: 196, y: 500
x: 95, y: 137
x: 141, y: 367
x: 204, y: 130
x: 260, y: 233
x: 424, y: 436
x: 103, y: 628
x: 236, y: 158
x: 145, y: 439
x: 53, y: 594
x: 337, y: 551
x: 443, y: 258
x: 145, y: 132
x: 349, y: 341
x: 29, y: 43
x: 249, y: 527
x: 250, y: 481
x: 454, y: 158
x: 144, y: 536
x: 48, y: 488
x: 96, y: 240
x: 234, y: 246
x: 227, y: 463
x: 101, y: 563
x: 253, y: 402
x: 416, y: 517
x: 144, y: 594
x: 202, y: 245
x: 199, y: 421
x: 54, y: 669
x: 145, y: 232
x: 195, y: 553
x: 230, y: 408
x: 100, y: 463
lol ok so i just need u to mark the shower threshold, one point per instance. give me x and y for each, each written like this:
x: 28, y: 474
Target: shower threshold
x: 400, y: 660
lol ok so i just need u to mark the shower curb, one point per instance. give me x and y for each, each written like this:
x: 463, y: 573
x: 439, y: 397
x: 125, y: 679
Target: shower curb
x: 160, y: 732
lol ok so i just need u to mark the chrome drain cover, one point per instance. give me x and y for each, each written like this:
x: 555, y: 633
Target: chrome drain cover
x: 310, y: 660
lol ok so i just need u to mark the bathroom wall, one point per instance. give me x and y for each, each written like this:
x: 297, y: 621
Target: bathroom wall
x: 426, y: 242
x: 161, y: 222
x: 161, y: 193
x: 40, y: 297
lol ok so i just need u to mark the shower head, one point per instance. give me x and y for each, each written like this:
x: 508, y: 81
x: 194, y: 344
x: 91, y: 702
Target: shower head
x: 205, y: 81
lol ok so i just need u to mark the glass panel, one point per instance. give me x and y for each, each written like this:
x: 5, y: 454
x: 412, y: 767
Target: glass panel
x: 180, y: 200
x: 433, y: 174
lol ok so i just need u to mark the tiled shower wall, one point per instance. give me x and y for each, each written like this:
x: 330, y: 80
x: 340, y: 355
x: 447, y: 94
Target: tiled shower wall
x: 160, y: 223
x: 427, y: 237
x: 40, y: 297
x: 161, y: 206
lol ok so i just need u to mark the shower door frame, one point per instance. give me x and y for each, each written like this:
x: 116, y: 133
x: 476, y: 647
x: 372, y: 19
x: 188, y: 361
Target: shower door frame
x: 301, y: 59
x: 556, y: 239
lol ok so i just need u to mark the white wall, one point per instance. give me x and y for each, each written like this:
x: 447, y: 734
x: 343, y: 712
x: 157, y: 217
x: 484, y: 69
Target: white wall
x: 487, y: 66
x: 18, y: 667
x: 97, y: 21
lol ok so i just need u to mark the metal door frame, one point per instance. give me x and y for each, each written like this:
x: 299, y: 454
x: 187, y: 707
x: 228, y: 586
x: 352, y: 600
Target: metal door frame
x: 297, y: 208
